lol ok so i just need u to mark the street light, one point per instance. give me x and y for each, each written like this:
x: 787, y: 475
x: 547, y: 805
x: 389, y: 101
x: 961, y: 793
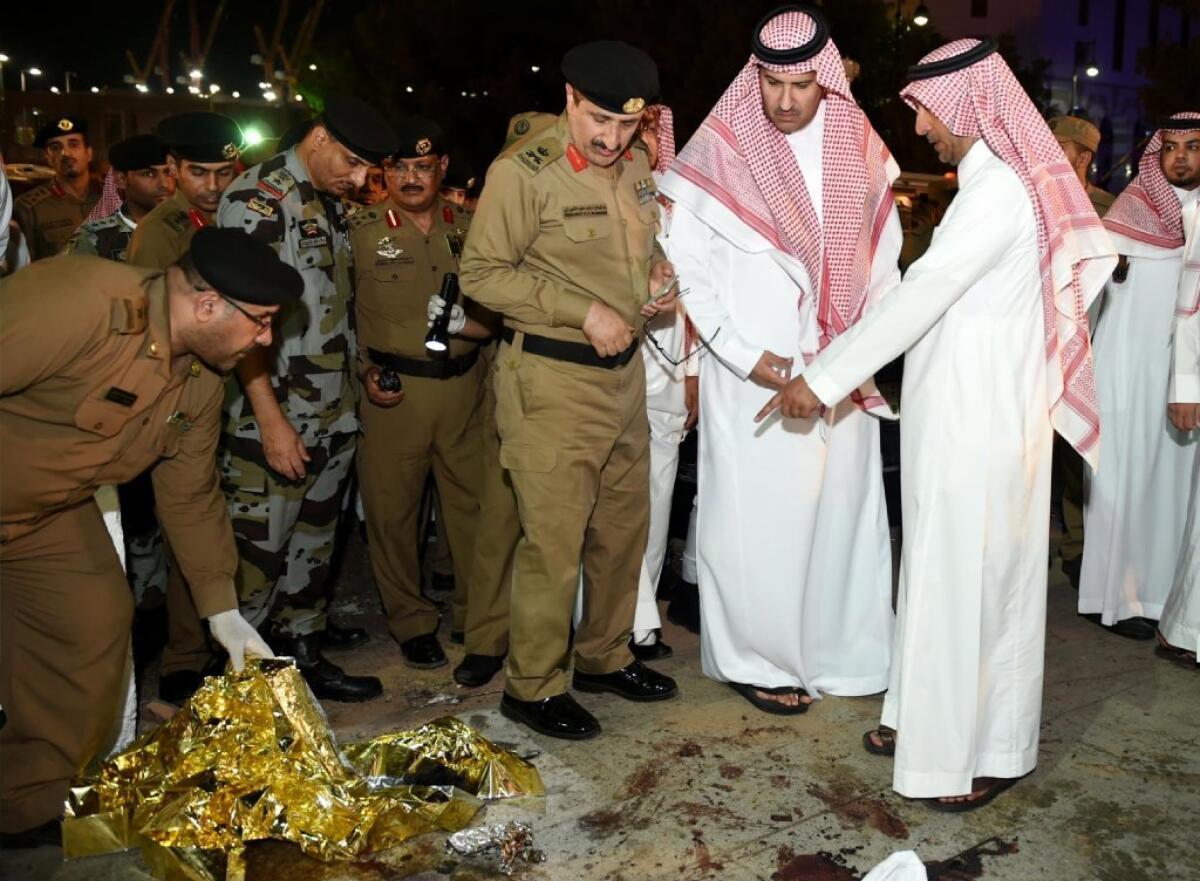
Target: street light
x: 235, y: 94
x: 32, y: 71
x: 170, y: 90
x: 534, y: 68
x: 312, y: 67
x: 54, y: 90
x: 921, y: 16
x: 95, y: 90
x: 1091, y: 70
x: 142, y: 87
x: 196, y: 73
x: 213, y: 88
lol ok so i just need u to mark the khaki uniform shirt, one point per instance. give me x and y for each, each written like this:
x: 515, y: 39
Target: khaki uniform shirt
x: 88, y: 398
x: 1101, y: 199
x: 49, y: 214
x: 553, y: 233
x: 277, y: 203
x: 397, y: 268
x: 107, y: 237
x: 165, y: 234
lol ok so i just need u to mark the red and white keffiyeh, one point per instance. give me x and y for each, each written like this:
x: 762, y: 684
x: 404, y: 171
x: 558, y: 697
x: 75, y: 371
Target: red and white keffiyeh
x: 985, y: 101
x: 740, y: 159
x: 664, y: 129
x: 110, y: 199
x: 1149, y: 211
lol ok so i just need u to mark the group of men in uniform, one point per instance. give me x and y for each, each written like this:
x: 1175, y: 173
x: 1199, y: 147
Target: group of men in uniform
x: 531, y: 411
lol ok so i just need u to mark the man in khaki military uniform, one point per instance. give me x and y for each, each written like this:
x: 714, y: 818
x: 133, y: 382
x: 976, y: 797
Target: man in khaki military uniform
x: 202, y: 154
x: 425, y: 414
x: 1080, y: 140
x: 143, y: 178
x: 49, y: 214
x: 291, y: 426
x: 499, y: 529
x: 563, y: 246
x: 109, y: 369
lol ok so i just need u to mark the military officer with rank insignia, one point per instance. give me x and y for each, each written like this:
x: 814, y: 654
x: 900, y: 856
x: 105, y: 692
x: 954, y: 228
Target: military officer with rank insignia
x: 202, y: 154
x: 49, y: 214
x: 144, y: 179
x: 418, y: 414
x: 563, y: 246
x: 291, y: 426
x: 110, y: 369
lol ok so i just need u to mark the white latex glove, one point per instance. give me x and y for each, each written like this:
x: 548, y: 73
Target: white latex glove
x: 237, y: 637
x: 458, y: 318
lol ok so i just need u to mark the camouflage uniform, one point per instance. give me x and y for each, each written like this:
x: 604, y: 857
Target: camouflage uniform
x: 107, y: 237
x: 285, y: 529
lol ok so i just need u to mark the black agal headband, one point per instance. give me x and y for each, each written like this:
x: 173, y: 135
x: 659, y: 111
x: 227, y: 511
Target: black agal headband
x: 795, y: 55
x: 955, y: 62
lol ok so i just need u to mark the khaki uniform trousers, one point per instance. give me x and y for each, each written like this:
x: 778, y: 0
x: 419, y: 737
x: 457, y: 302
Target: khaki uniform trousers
x: 435, y: 426
x: 496, y: 539
x: 65, y: 614
x: 576, y: 445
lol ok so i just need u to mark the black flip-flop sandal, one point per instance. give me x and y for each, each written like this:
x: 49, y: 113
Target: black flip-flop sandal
x: 961, y: 807
x: 770, y: 706
x: 887, y: 735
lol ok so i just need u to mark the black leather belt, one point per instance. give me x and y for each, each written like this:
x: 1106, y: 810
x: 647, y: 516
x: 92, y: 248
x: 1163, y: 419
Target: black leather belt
x: 576, y: 353
x: 447, y: 369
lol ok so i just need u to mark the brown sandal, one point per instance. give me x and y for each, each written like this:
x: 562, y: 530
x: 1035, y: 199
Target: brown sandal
x: 887, y: 737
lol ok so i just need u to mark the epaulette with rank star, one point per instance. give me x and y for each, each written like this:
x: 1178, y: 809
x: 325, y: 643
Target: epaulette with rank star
x: 535, y: 157
x: 34, y: 196
x: 361, y: 218
x: 178, y: 221
x: 277, y: 183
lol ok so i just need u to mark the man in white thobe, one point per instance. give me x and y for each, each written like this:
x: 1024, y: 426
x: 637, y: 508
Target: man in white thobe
x: 1179, y: 627
x: 1137, y: 502
x: 993, y: 320
x: 784, y: 228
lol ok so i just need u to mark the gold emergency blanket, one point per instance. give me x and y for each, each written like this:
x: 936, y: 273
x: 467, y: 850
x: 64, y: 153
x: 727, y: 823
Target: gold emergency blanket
x: 251, y: 757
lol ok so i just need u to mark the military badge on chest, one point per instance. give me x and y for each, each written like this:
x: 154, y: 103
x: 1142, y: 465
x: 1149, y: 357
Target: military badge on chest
x: 645, y: 190
x: 386, y: 248
x: 311, y: 234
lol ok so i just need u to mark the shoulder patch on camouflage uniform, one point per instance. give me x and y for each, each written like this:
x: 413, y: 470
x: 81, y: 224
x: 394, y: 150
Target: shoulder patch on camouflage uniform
x: 127, y: 316
x: 537, y: 156
x: 178, y: 221
x: 34, y: 196
x: 113, y: 219
x: 361, y: 218
x: 277, y: 183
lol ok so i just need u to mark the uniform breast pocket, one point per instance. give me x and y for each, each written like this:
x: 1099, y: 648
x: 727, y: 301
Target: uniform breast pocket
x: 315, y: 254
x: 102, y: 417
x: 587, y: 229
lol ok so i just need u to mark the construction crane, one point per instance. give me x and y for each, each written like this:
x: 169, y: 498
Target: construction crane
x: 157, y: 60
x: 275, y: 57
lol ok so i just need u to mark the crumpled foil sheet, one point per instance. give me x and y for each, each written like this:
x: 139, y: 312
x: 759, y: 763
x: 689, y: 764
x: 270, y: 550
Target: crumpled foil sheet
x: 511, y: 842
x: 251, y: 756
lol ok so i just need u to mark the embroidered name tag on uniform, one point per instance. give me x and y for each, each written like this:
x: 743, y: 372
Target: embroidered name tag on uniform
x: 311, y: 234
x: 585, y: 211
x: 120, y: 396
x: 645, y: 190
x: 258, y: 206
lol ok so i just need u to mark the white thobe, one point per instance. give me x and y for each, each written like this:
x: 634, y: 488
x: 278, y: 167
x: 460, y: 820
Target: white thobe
x: 793, y: 549
x: 975, y: 441
x: 1138, y: 498
x: 1180, y: 622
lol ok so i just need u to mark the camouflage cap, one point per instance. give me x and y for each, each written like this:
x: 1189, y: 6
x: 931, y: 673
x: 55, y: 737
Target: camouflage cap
x: 1076, y: 129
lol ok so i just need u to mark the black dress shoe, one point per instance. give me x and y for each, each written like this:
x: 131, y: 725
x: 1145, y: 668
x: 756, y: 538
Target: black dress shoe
x: 558, y: 716
x: 341, y: 638
x: 327, y: 680
x: 654, y: 651
x: 636, y: 682
x: 1072, y: 568
x: 177, y: 687
x: 423, y: 652
x: 49, y: 834
x: 442, y: 583
x: 684, y: 608
x: 477, y: 670
x: 458, y: 637
x: 1140, y: 629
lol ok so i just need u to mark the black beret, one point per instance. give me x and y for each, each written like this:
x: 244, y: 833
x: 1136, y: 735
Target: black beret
x: 294, y: 135
x: 59, y: 126
x: 140, y: 151
x: 419, y: 137
x: 461, y: 174
x: 613, y: 75
x: 200, y: 136
x: 242, y: 268
x: 360, y: 128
